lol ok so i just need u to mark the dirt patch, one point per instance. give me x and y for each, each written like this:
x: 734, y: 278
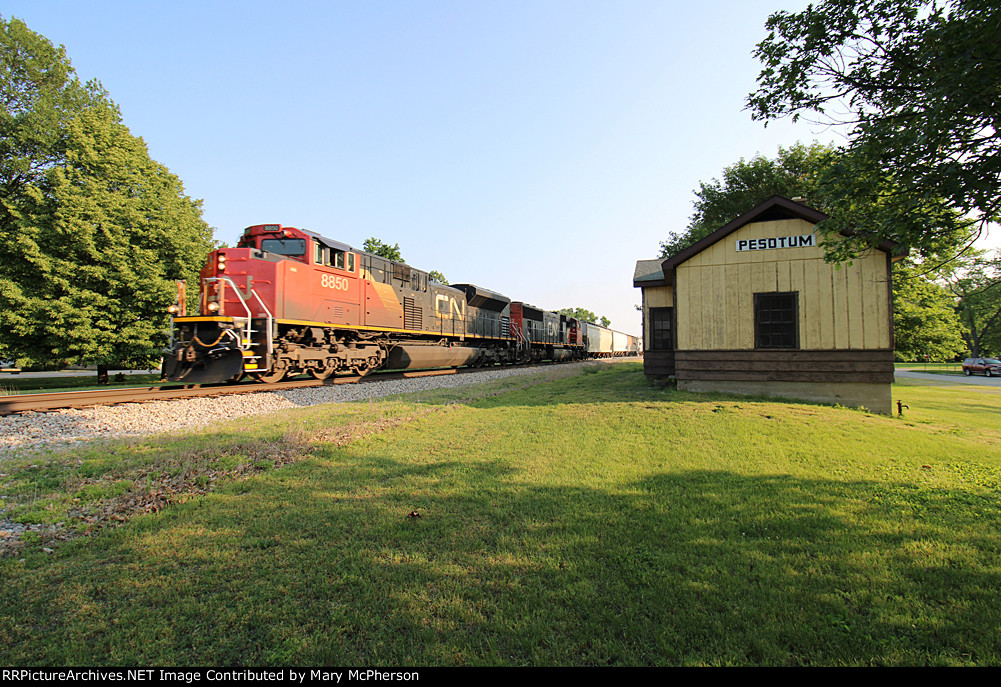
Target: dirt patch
x: 157, y: 487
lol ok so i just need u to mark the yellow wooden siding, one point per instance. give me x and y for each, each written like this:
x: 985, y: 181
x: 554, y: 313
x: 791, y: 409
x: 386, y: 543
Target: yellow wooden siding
x: 839, y: 308
x: 654, y: 297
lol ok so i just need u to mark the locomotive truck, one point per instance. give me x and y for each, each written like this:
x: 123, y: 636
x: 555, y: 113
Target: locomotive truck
x: 287, y: 301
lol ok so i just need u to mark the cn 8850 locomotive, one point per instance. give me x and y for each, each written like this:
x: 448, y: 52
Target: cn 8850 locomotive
x: 287, y: 301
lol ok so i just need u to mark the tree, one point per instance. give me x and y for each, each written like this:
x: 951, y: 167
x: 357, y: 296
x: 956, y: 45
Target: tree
x: 435, y: 275
x: 978, y: 290
x: 94, y: 231
x: 916, y: 84
x: 585, y: 316
x: 925, y: 323
x: 39, y: 96
x: 384, y: 250
x: 745, y: 184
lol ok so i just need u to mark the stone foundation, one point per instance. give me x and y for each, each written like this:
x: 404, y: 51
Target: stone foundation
x: 876, y: 398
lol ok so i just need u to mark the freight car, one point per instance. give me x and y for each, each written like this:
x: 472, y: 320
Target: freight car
x: 287, y: 301
x: 602, y: 342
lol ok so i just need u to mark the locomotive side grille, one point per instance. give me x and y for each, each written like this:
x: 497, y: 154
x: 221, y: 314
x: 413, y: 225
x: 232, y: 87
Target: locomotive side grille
x: 413, y: 315
x: 505, y: 327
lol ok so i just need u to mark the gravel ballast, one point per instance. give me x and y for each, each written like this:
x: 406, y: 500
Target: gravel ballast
x: 54, y: 429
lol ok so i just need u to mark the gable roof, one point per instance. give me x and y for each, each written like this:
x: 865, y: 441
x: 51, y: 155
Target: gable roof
x: 775, y: 208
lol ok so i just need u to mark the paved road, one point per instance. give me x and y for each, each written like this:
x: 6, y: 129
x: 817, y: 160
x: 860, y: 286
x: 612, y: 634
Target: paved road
x: 979, y: 380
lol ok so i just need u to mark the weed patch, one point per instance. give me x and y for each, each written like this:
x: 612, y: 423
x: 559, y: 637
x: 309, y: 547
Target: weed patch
x: 57, y: 501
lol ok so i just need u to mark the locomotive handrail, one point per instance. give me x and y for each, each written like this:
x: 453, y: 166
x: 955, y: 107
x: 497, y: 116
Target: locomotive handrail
x: 245, y: 339
x: 523, y: 342
x: 271, y: 319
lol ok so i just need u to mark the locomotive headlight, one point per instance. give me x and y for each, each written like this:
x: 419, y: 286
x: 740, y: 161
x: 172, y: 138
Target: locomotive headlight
x: 221, y: 262
x: 214, y: 306
x: 173, y: 309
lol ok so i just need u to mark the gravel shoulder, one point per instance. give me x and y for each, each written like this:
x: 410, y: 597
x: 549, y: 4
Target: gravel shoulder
x: 28, y: 432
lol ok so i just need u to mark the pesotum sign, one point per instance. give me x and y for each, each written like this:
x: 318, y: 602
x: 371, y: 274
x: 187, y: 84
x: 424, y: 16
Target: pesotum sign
x: 780, y: 242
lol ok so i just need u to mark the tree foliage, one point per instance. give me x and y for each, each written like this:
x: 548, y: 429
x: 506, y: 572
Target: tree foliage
x: 94, y: 231
x: 925, y: 323
x: 586, y: 316
x: 977, y: 289
x: 748, y: 183
x: 384, y: 250
x: 917, y: 84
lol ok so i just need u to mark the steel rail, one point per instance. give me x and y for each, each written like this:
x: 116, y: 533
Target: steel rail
x: 82, y: 399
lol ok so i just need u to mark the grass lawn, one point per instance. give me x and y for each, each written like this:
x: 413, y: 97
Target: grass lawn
x: 16, y: 384
x: 932, y: 368
x: 589, y: 520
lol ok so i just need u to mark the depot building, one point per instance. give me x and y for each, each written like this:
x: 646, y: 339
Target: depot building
x: 753, y: 308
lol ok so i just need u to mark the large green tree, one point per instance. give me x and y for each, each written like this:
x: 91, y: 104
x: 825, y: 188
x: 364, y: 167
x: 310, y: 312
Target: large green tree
x: 746, y: 183
x: 977, y: 289
x: 926, y: 325
x: 94, y: 231
x: 916, y: 84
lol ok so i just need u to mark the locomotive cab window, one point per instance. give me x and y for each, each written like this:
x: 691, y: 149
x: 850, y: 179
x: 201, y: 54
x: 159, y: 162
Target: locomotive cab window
x: 291, y: 247
x: 776, y: 320
x: 321, y: 254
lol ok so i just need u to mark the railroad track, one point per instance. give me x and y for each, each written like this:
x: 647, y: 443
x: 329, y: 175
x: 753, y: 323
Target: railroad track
x: 82, y: 399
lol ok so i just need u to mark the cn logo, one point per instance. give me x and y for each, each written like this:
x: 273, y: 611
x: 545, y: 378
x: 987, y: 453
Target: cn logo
x: 448, y: 308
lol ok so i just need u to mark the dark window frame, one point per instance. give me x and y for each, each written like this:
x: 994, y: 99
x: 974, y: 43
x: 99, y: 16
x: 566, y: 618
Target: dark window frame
x: 661, y: 329
x: 269, y: 245
x: 776, y: 323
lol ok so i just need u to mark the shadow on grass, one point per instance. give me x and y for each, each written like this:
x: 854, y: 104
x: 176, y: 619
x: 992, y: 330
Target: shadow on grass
x: 322, y: 562
x: 600, y: 384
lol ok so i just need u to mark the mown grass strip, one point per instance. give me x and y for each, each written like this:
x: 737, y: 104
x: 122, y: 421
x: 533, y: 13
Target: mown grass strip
x: 10, y: 386
x: 592, y: 520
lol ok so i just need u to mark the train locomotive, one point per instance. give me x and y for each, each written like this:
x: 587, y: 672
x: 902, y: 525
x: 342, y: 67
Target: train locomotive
x: 287, y: 301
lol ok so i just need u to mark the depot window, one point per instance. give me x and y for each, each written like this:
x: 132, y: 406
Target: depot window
x: 660, y: 329
x: 776, y: 320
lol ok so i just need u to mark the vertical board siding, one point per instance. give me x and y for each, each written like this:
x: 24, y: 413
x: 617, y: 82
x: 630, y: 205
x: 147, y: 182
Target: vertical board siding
x: 654, y: 297
x: 842, y: 307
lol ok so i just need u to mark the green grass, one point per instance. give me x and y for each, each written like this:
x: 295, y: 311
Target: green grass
x: 590, y: 520
x: 11, y: 385
x: 931, y: 368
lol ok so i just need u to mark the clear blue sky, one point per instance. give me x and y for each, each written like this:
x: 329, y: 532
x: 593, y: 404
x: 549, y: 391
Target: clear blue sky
x: 536, y: 148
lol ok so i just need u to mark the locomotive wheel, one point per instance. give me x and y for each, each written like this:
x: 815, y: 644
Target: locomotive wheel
x: 275, y: 375
x: 322, y: 373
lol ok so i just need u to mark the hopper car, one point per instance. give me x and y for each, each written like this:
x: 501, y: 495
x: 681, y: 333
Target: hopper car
x: 286, y: 301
